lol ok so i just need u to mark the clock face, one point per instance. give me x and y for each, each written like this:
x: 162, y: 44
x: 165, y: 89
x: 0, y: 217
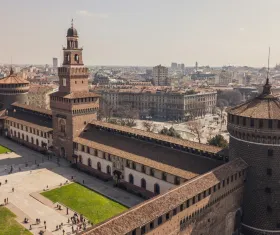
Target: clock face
x: 64, y: 81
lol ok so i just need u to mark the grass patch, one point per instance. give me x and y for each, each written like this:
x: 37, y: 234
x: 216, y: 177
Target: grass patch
x: 4, y: 149
x: 92, y: 205
x: 8, y: 225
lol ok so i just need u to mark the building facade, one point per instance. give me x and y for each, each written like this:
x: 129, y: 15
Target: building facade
x: 160, y: 76
x: 165, y: 105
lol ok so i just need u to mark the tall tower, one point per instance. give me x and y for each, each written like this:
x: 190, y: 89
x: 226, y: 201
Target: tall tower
x: 73, y: 106
x: 254, y: 129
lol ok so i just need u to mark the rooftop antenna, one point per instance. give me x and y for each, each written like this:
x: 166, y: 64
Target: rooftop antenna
x: 267, y: 86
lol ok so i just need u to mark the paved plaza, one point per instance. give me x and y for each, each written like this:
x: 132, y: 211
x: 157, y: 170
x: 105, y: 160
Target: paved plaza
x: 28, y: 181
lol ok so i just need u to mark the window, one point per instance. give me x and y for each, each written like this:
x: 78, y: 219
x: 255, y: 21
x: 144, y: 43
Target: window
x: 131, y: 179
x: 252, y: 122
x: 156, y: 189
x: 143, y: 169
x: 244, y: 121
x: 193, y: 200
x: 167, y: 216
x: 269, y: 123
x: 63, y: 81
x: 270, y: 152
x: 159, y: 220
x: 134, y: 232
x: 151, y: 225
x: 152, y: 172
x: 269, y: 209
x: 143, y: 230
x: 260, y: 123
x: 269, y: 171
x: 181, y: 207
x: 133, y: 165
x: 164, y: 176
x: 267, y: 190
x: 175, y: 211
x: 188, y: 203
x: 89, y: 162
x: 143, y: 183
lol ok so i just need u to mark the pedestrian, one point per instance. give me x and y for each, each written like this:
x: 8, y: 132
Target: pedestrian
x: 7, y: 200
x: 45, y: 227
x: 30, y: 227
x: 67, y: 210
x: 63, y: 231
x: 47, y: 186
x: 45, y: 222
x: 56, y: 227
x: 13, y: 189
x: 6, y: 181
x: 4, y: 201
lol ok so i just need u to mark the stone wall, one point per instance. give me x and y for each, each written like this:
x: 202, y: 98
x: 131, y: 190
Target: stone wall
x: 262, y: 193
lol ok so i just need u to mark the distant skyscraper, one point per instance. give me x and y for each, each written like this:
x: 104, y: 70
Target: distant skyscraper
x: 183, y: 67
x: 196, y: 66
x: 160, y: 76
x: 55, y: 64
x: 174, y: 66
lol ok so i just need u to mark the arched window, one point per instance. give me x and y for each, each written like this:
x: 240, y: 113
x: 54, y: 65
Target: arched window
x: 27, y: 138
x: 77, y: 58
x: 108, y: 170
x: 80, y: 159
x: 143, y: 183
x: 131, y: 179
x: 18, y: 135
x: 156, y: 189
x: 32, y: 140
x: 89, y: 162
x: 99, y: 166
x: 37, y: 142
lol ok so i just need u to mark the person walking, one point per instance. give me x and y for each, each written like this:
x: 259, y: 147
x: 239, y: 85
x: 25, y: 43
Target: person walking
x: 13, y: 189
x: 4, y: 201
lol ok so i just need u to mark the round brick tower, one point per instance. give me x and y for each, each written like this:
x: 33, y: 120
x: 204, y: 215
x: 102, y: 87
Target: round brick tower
x: 254, y: 129
x: 13, y: 88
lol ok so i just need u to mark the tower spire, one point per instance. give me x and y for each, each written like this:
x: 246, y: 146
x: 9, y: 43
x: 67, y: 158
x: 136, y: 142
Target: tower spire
x: 11, y: 70
x: 72, y: 23
x: 267, y: 85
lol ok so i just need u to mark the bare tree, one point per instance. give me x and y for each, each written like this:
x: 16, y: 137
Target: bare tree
x: 196, y: 128
x: 149, y: 126
x: 127, y: 115
x: 221, y: 106
x: 106, y: 110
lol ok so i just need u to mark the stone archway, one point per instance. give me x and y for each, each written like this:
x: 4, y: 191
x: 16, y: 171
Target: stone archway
x: 62, y: 152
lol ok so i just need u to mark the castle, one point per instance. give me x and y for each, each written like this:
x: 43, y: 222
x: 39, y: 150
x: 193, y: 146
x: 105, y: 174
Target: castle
x: 191, y: 188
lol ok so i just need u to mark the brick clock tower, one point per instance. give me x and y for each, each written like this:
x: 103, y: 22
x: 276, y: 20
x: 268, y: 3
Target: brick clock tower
x: 73, y: 106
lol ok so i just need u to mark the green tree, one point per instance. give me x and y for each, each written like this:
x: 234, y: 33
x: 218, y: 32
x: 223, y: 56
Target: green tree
x: 219, y: 141
x: 170, y: 132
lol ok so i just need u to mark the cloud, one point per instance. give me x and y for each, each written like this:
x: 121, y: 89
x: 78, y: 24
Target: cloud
x: 241, y: 29
x: 90, y: 14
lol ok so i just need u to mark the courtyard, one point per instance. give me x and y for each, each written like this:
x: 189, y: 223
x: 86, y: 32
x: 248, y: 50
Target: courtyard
x: 4, y: 149
x: 92, y: 205
x: 29, y: 180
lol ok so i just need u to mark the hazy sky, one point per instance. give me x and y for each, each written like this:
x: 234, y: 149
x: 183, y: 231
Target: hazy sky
x: 143, y: 32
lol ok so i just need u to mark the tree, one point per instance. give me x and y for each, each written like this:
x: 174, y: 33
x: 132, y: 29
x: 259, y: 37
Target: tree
x: 149, y: 126
x: 196, y: 128
x: 221, y: 105
x: 233, y: 97
x: 170, y: 132
x: 219, y: 141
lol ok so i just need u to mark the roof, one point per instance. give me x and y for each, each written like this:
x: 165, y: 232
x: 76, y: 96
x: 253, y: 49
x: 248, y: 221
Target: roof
x: 30, y: 124
x: 157, y: 206
x: 32, y: 108
x: 13, y: 79
x: 76, y: 94
x: 185, y: 143
x: 263, y: 106
x: 136, y: 158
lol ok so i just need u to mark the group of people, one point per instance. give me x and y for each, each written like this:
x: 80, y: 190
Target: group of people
x: 6, y: 181
x: 6, y: 201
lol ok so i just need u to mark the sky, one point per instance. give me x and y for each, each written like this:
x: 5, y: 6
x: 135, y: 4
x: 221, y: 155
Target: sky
x: 143, y: 32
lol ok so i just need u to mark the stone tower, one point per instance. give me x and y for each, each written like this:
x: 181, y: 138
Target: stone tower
x: 73, y: 106
x: 13, y: 88
x: 254, y: 129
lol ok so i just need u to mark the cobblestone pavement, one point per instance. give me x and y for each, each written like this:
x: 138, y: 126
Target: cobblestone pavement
x: 31, y: 179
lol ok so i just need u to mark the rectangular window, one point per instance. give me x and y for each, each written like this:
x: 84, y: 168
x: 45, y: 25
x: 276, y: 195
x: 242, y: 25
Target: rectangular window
x: 181, y: 207
x: 167, y: 216
x: 152, y: 225
x: 270, y: 152
x: 269, y: 123
x: 159, y: 220
x: 269, y: 171
x: 143, y: 230
x: 188, y: 203
x: 193, y: 200
x: 252, y: 122
x: 260, y: 123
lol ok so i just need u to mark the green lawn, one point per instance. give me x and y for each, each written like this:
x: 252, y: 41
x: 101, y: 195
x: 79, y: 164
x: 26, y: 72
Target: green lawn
x: 92, y: 205
x: 8, y: 225
x: 4, y: 149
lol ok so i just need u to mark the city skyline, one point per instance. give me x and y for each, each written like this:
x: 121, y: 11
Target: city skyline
x: 143, y: 33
